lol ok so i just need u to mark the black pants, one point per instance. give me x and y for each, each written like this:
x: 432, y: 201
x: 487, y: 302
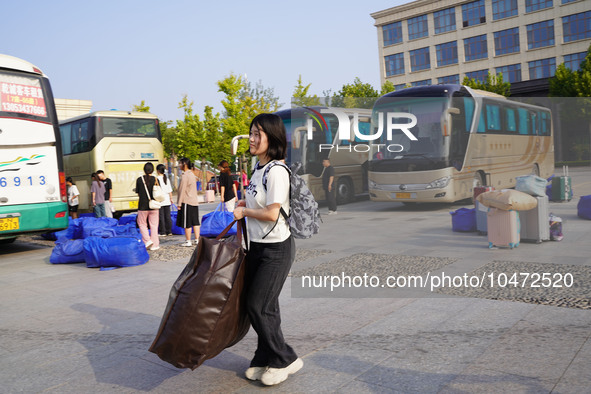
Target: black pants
x: 267, y: 267
x: 331, y: 199
x: 165, y: 223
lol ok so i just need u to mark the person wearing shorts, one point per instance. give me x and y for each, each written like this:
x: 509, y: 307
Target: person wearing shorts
x: 188, y: 214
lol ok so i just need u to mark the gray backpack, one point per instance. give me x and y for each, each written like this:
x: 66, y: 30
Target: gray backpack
x: 304, y: 217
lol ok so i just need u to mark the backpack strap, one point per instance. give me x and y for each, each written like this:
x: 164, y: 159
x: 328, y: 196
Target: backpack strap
x: 281, y: 210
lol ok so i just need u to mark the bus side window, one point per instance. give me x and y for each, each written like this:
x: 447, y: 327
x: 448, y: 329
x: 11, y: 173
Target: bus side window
x: 544, y: 123
x: 510, y: 120
x: 81, y: 138
x: 523, y: 121
x: 66, y: 134
x: 534, y: 123
x: 493, y: 118
x: 481, y: 123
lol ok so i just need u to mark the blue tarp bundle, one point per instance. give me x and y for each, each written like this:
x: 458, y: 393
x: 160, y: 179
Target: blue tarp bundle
x: 464, y: 219
x: 68, y: 251
x: 213, y: 223
x: 584, y: 207
x: 114, y: 252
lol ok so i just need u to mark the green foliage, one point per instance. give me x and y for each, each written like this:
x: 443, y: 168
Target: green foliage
x: 387, y: 87
x: 356, y: 94
x: 300, y: 95
x: 492, y: 83
x: 567, y: 83
x: 241, y: 104
x: 142, y: 107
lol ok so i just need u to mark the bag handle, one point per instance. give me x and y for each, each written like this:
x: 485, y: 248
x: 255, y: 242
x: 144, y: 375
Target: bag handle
x: 240, y: 230
x: 146, y: 187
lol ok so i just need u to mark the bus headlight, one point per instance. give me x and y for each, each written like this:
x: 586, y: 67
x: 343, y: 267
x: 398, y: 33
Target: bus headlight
x: 439, y: 183
x: 373, y: 185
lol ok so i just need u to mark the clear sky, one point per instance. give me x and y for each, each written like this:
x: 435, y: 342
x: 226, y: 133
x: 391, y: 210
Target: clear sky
x: 117, y: 53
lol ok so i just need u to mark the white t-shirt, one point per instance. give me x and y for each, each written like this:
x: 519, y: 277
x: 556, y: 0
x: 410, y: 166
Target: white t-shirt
x: 166, y: 188
x: 257, y: 197
x: 73, y: 194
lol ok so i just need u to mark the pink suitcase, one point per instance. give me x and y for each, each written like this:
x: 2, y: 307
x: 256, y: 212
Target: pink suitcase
x: 503, y: 228
x: 209, y: 196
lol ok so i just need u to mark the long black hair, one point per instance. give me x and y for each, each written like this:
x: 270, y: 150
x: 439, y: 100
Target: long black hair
x: 162, y: 170
x: 273, y: 127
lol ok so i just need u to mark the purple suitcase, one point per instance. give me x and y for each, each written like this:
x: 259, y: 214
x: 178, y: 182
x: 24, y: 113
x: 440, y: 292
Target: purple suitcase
x: 503, y: 228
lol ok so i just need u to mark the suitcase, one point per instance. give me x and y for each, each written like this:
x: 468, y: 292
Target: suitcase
x: 209, y: 196
x: 503, y: 228
x: 481, y: 222
x: 534, y: 223
x: 562, y: 186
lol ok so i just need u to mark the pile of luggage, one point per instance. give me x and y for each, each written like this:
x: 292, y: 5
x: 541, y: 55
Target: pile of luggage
x: 103, y: 243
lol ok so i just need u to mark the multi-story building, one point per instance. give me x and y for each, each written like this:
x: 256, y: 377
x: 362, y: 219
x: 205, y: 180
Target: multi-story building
x: 442, y: 41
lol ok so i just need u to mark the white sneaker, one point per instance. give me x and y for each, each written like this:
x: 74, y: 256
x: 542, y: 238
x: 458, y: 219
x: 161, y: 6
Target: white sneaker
x: 149, y: 244
x: 332, y: 212
x: 188, y: 243
x: 255, y: 373
x: 273, y: 376
x: 155, y: 248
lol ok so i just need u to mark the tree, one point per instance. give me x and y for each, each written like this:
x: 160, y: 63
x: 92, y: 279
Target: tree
x: 241, y: 104
x: 492, y: 83
x: 356, y: 94
x: 300, y: 95
x: 142, y: 107
x: 387, y: 87
x: 568, y: 83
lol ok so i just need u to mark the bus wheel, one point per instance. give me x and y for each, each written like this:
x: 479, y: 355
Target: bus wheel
x: 344, y: 191
x: 478, y: 180
x: 5, y: 241
x: 535, y: 170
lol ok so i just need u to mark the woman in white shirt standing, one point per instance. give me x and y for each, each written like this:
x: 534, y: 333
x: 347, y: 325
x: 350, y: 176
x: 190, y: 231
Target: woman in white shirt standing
x: 165, y: 222
x: 271, y: 251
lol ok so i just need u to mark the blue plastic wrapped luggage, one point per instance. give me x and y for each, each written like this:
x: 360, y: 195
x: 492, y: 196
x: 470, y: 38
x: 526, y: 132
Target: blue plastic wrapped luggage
x: 584, y: 207
x: 114, y: 252
x: 129, y: 230
x: 176, y: 229
x: 532, y: 185
x: 89, y: 225
x: 68, y: 251
x: 128, y: 219
x: 213, y: 223
x: 463, y: 219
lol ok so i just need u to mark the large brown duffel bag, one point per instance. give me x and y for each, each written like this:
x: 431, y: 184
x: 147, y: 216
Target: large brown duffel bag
x: 206, y: 311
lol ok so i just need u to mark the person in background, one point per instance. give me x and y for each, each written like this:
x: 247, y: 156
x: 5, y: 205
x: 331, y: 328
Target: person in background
x: 227, y: 186
x: 165, y: 222
x: 244, y: 177
x: 73, y: 194
x: 271, y: 253
x: 143, y: 187
x: 108, y: 196
x: 188, y: 214
x: 328, y: 186
x: 97, y: 191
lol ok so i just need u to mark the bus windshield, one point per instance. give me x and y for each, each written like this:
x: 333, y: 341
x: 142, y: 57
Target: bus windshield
x: 131, y: 127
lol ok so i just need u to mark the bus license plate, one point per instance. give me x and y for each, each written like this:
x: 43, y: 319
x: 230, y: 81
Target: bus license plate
x: 7, y: 224
x: 133, y: 204
x: 403, y: 195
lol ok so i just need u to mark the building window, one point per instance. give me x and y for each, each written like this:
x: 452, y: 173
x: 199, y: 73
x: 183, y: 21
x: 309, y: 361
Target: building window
x: 399, y: 87
x: 475, y: 48
x: 544, y: 68
x: 419, y: 59
x: 568, y: 1
x: 392, y: 33
x: 479, y: 75
x: 449, y: 79
x: 424, y: 82
x: 534, y: 5
x: 577, y: 26
x: 417, y: 27
x: 510, y: 73
x: 473, y: 13
x: 445, y: 20
x: 506, y: 41
x: 447, y: 53
x: 540, y: 34
x: 504, y: 8
x: 573, y: 61
x: 394, y: 64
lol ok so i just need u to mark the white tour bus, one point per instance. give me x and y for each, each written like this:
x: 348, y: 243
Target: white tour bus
x: 117, y: 142
x: 349, y: 162
x: 32, y: 181
x: 462, y: 138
